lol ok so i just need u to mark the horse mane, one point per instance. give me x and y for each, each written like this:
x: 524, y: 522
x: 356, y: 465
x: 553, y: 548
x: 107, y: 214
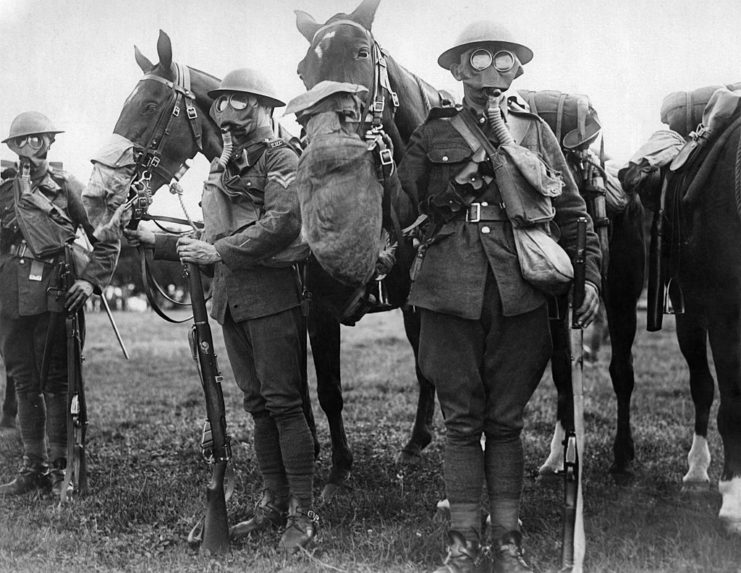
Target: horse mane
x: 416, y: 98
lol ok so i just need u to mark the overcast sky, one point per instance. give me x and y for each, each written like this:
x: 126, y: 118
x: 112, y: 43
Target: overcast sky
x: 74, y: 59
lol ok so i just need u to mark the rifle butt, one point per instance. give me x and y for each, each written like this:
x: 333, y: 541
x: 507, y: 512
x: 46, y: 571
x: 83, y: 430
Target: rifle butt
x: 216, y: 524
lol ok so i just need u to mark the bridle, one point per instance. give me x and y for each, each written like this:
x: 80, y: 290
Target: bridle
x: 149, y: 161
x: 149, y: 157
x: 375, y: 103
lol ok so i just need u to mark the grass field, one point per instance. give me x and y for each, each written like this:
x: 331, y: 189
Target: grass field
x: 148, y: 481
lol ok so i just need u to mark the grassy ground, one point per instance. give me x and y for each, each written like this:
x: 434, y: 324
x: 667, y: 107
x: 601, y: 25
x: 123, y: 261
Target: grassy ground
x: 148, y: 480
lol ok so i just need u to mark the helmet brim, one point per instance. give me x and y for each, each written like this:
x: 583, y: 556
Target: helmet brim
x: 574, y: 139
x: 52, y: 132
x: 453, y: 55
x: 269, y: 100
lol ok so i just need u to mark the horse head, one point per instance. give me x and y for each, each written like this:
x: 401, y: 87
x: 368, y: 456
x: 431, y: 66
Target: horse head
x: 164, y: 122
x: 343, y: 49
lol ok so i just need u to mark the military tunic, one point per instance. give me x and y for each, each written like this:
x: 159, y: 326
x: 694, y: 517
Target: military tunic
x: 24, y: 281
x: 258, y: 305
x: 484, y: 339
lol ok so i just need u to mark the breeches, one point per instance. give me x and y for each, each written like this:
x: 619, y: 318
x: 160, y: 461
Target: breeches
x: 22, y: 341
x: 485, y: 370
x: 266, y: 358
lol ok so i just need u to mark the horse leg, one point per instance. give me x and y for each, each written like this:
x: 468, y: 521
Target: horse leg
x: 421, y: 437
x: 561, y: 372
x: 324, y: 334
x: 620, y: 306
x: 692, y: 338
x: 724, y: 328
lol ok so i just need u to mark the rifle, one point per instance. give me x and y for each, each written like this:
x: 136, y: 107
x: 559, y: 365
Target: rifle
x: 212, y: 531
x: 75, y: 475
x: 656, y: 283
x: 573, y: 549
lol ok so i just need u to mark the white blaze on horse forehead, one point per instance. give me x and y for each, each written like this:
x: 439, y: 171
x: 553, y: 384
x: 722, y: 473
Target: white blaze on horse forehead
x: 323, y: 44
x: 135, y: 91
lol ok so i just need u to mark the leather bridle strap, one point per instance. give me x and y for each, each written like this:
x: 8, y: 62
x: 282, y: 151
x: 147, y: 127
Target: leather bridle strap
x: 376, y: 101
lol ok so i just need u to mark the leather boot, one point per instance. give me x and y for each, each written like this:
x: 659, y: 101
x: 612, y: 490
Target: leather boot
x: 269, y: 513
x: 30, y: 478
x: 301, y: 527
x: 464, y: 556
x: 508, y: 555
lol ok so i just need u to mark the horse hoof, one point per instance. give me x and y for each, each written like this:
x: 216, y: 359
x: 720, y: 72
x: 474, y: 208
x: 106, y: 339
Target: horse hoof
x: 338, y: 482
x: 442, y: 511
x: 730, y: 510
x: 548, y: 475
x: 622, y: 476
x: 690, y: 487
x: 409, y: 459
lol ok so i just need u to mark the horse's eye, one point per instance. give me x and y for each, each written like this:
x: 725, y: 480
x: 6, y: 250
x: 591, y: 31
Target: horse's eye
x: 363, y: 53
x: 150, y: 107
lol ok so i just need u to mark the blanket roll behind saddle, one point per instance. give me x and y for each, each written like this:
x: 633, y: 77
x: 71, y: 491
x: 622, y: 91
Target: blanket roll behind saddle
x: 341, y: 199
x: 683, y: 111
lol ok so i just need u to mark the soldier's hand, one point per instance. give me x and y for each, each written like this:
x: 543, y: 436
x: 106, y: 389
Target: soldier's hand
x: 587, y: 312
x: 139, y: 237
x: 192, y: 250
x: 77, y: 294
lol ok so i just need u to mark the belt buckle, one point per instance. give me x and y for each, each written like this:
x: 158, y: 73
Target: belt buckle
x: 476, y: 216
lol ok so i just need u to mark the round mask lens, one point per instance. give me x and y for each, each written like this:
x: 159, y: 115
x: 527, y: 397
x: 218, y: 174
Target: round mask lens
x: 221, y: 103
x: 504, y: 61
x: 35, y: 141
x: 480, y: 60
x: 239, y: 101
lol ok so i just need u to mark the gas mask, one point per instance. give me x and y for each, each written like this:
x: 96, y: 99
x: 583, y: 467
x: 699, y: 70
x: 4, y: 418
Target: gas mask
x: 32, y: 147
x: 486, y: 73
x: 238, y: 114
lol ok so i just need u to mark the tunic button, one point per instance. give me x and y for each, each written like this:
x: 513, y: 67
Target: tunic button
x: 445, y: 157
x: 486, y: 230
x: 484, y: 204
x: 482, y: 120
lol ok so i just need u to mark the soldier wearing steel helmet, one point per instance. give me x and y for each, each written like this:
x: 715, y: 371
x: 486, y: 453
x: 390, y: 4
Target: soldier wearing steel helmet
x: 251, y: 215
x: 40, y: 212
x: 485, y: 339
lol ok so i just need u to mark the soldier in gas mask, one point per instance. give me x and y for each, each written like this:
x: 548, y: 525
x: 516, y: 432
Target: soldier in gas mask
x: 252, y: 223
x: 40, y: 212
x: 485, y: 338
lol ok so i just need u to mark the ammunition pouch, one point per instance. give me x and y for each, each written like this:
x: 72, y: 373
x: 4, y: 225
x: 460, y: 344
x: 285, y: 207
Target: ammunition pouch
x: 453, y: 201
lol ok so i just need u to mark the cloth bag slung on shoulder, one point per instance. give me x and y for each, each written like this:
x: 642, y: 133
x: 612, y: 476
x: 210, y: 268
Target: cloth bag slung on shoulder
x: 526, y: 186
x: 227, y: 211
x: 340, y: 199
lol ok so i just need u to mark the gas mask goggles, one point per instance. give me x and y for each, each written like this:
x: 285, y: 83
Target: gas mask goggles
x: 32, y: 146
x: 482, y: 58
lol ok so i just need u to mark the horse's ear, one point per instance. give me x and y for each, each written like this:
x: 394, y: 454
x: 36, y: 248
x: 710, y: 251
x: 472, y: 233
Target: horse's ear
x: 365, y: 13
x: 164, y: 50
x: 142, y: 61
x: 306, y: 24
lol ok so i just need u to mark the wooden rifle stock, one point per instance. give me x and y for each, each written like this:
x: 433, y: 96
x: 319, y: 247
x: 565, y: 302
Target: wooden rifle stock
x: 572, y: 552
x: 75, y: 475
x: 656, y: 284
x: 217, y: 451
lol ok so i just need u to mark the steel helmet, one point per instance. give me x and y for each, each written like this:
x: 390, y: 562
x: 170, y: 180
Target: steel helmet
x: 484, y: 32
x: 30, y: 123
x: 248, y: 81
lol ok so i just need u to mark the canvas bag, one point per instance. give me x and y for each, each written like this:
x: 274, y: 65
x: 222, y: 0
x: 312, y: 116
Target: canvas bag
x: 526, y: 185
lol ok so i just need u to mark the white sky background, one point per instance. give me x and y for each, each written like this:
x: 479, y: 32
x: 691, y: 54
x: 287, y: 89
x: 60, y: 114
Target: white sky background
x: 73, y: 60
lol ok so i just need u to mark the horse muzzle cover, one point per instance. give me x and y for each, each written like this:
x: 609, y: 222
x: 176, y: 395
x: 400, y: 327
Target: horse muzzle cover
x: 107, y: 191
x: 340, y: 199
